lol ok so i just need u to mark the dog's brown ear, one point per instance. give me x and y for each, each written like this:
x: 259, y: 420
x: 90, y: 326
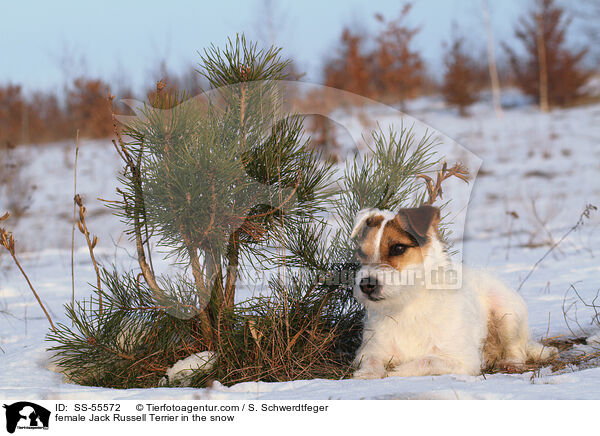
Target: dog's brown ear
x: 421, y: 219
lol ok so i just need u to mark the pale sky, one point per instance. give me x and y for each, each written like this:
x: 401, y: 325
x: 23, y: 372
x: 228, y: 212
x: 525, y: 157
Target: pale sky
x: 43, y: 42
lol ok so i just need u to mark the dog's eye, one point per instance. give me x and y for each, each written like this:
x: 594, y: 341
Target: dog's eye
x: 360, y: 253
x: 397, y: 249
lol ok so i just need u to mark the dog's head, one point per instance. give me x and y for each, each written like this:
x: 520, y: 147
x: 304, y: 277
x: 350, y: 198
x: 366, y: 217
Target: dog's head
x: 392, y: 248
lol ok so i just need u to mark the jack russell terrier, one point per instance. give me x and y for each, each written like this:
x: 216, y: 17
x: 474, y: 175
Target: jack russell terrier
x: 425, y: 315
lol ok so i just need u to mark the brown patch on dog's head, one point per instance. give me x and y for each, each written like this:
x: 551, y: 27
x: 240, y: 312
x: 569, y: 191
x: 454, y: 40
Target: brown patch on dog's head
x: 366, y: 229
x: 405, y: 239
x: 398, y: 247
x: 374, y: 221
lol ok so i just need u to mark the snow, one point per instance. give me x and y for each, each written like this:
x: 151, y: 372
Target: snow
x: 594, y: 339
x: 544, y: 167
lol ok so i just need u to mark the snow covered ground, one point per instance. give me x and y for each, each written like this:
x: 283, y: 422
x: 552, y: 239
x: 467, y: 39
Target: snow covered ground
x: 543, y: 167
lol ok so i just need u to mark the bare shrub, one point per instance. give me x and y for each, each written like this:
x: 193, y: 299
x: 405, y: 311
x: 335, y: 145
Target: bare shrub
x: 585, y: 215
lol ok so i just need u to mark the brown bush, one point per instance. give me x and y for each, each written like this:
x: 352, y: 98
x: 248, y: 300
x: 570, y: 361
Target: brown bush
x: 47, y: 119
x: 564, y: 72
x: 391, y: 71
x: 323, y: 137
x: 12, y: 109
x: 463, y: 76
x: 399, y: 70
x: 88, y: 109
x: 351, y: 68
x: 37, y: 119
x: 41, y: 118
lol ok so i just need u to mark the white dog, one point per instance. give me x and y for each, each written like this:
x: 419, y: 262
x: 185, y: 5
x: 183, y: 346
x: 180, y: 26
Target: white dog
x: 420, y: 319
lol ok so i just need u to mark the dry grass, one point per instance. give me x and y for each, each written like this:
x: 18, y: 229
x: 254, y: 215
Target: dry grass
x: 568, y: 358
x: 8, y: 242
x: 300, y: 339
x: 574, y: 351
x: 585, y: 214
x: 91, y: 243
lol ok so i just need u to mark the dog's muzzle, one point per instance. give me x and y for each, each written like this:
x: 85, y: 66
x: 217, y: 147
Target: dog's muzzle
x: 370, y: 287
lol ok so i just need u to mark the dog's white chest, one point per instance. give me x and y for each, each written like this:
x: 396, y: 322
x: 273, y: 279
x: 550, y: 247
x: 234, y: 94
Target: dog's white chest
x: 406, y: 334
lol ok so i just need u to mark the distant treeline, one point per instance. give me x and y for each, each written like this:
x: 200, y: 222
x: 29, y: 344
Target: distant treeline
x: 387, y: 67
x: 384, y: 66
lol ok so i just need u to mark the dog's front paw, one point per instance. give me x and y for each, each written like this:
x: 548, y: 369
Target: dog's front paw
x: 369, y: 367
x: 431, y: 365
x: 369, y: 373
x: 404, y: 371
x: 366, y: 375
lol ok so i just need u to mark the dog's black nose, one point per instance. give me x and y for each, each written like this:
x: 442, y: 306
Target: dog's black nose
x: 368, y: 285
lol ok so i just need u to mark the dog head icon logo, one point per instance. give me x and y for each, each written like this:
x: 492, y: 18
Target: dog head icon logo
x: 24, y: 414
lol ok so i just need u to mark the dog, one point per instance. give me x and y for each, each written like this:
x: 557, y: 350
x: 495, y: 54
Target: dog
x: 420, y: 318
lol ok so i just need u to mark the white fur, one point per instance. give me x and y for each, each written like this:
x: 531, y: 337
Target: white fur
x: 181, y: 373
x: 365, y: 214
x: 416, y: 330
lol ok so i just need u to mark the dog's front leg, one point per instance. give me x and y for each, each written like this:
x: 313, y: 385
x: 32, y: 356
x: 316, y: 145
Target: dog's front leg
x: 369, y: 368
x: 429, y: 365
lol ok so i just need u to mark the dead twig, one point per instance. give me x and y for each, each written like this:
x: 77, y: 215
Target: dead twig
x: 73, y: 227
x: 434, y: 189
x: 584, y: 215
x: 593, y: 305
x: 513, y: 216
x: 91, y: 243
x: 7, y: 241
